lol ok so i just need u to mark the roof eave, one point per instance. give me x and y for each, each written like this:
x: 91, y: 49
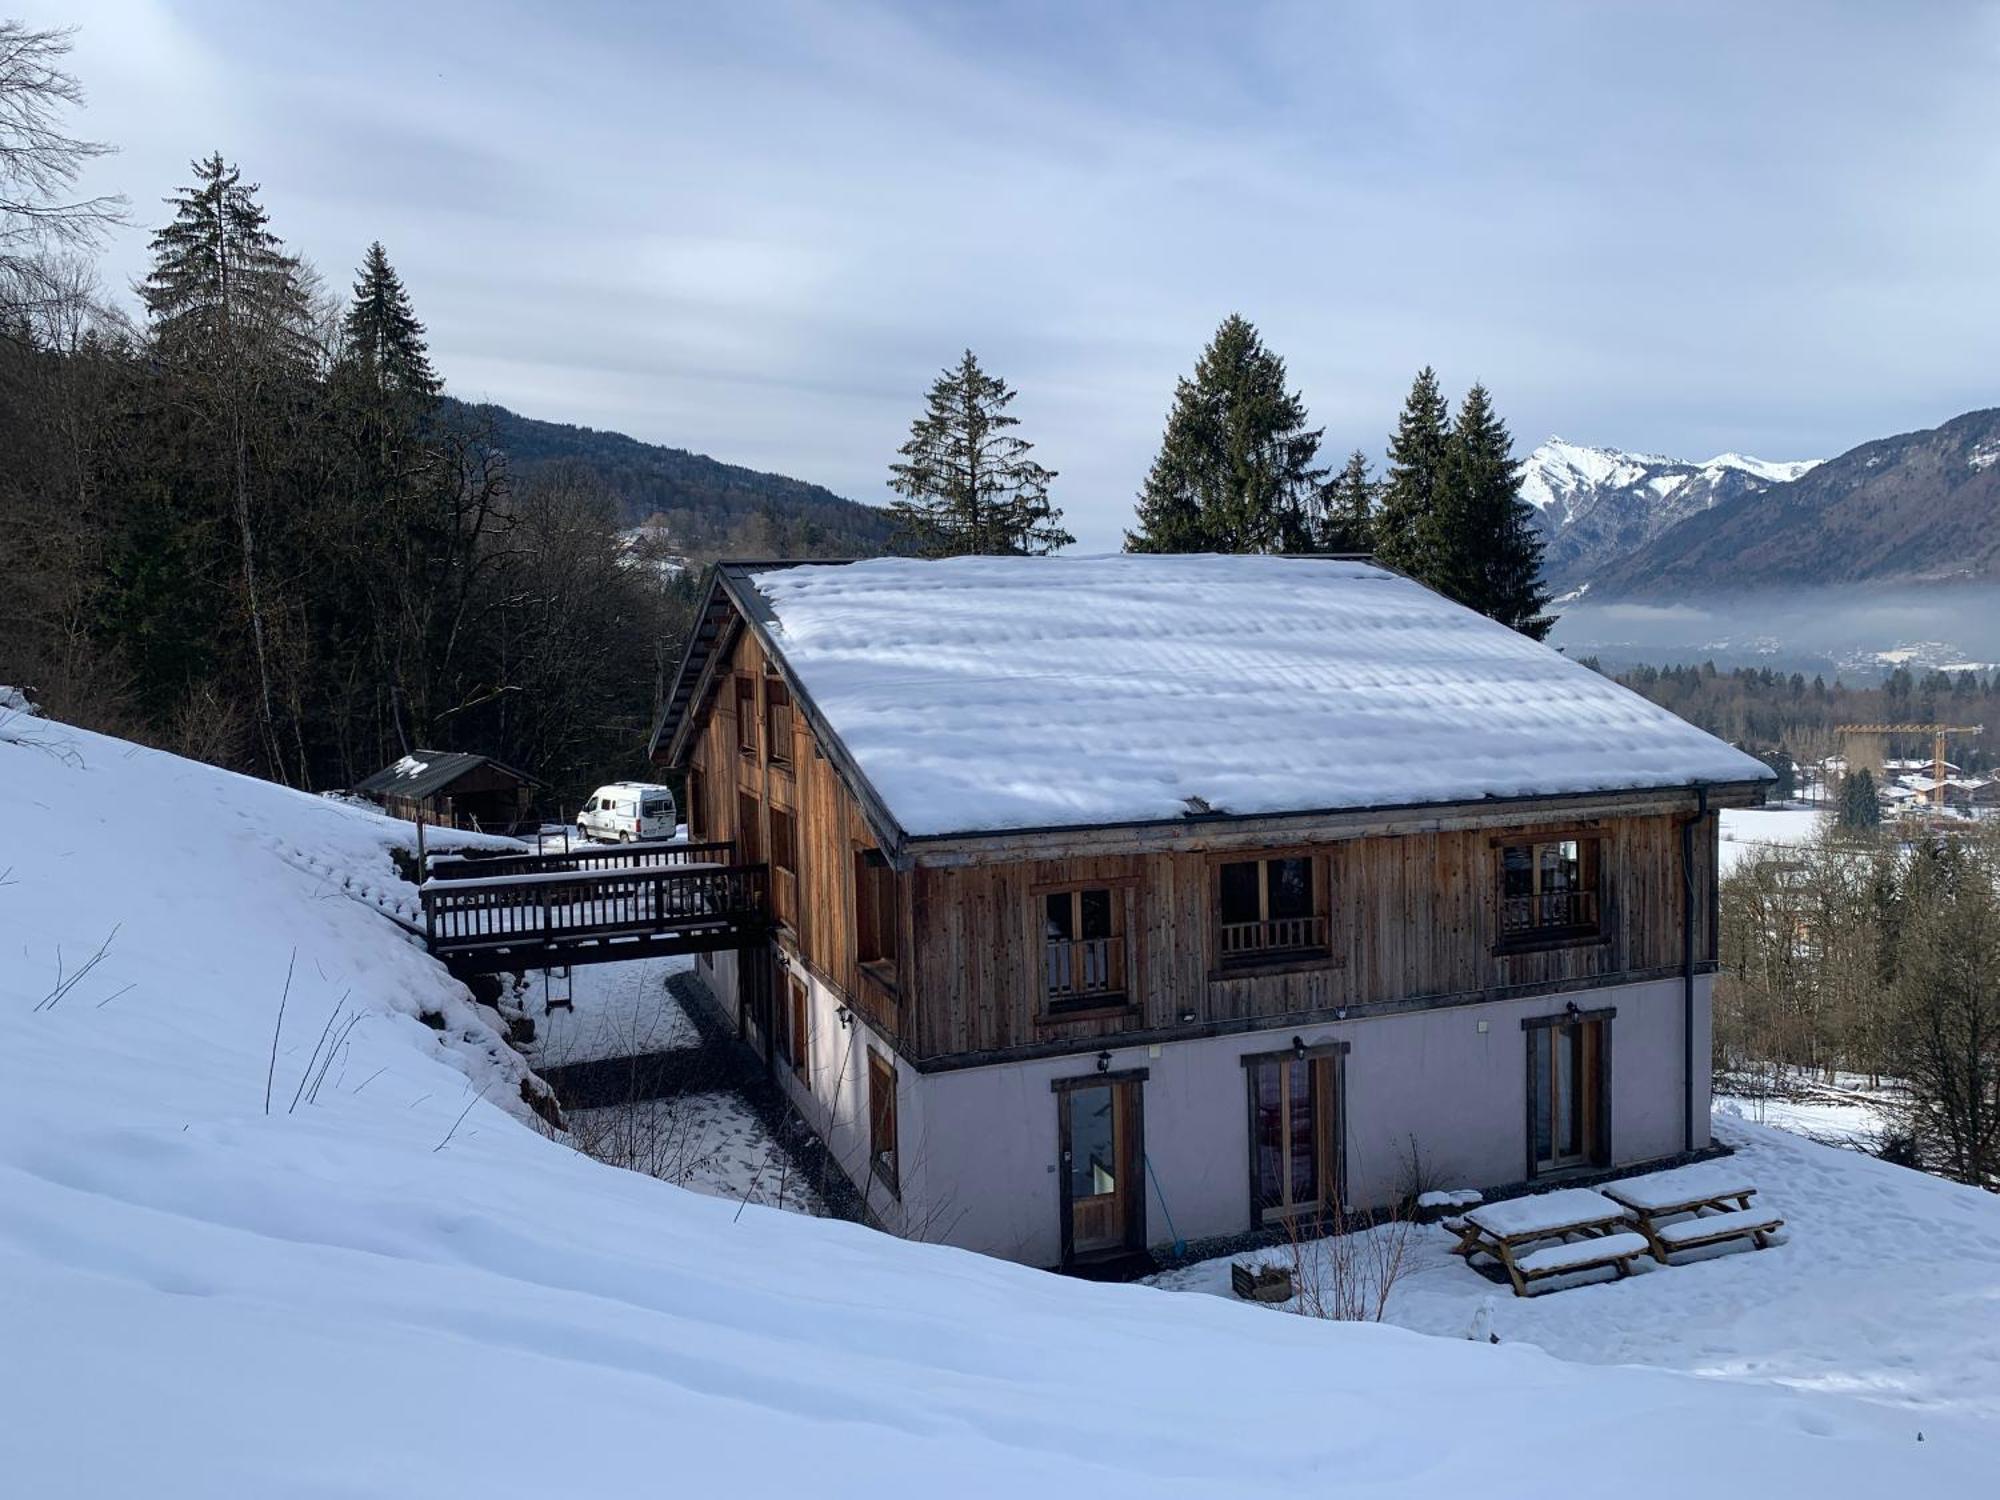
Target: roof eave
x: 980, y: 846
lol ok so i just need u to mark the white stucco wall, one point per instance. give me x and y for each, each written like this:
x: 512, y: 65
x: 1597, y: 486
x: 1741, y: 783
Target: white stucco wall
x: 981, y: 1144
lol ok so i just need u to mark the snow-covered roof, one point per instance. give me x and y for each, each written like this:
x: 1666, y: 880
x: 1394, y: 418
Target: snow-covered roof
x: 983, y: 694
x: 422, y: 773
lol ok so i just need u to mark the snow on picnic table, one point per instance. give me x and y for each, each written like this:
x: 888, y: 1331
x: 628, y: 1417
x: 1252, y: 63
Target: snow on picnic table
x: 1544, y: 1212
x: 1699, y: 1182
x: 1885, y: 1286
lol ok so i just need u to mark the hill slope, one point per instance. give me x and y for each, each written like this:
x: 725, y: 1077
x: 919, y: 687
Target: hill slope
x: 398, y: 1288
x: 711, y: 505
x: 1597, y: 505
x: 1919, y: 507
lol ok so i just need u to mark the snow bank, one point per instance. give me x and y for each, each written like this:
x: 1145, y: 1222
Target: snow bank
x: 986, y: 693
x: 400, y: 1289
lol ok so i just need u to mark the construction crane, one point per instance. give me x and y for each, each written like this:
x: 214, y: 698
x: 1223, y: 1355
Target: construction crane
x: 1939, y: 733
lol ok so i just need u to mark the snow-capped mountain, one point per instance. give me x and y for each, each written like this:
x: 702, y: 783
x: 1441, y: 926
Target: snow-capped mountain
x: 1599, y: 504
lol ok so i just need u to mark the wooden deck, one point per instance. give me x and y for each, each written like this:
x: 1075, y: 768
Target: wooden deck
x: 590, y: 905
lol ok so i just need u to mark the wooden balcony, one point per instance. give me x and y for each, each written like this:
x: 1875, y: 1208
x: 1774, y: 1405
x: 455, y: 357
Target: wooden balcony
x: 583, y: 906
x: 1082, y: 973
x: 1551, y: 915
x: 1277, y: 938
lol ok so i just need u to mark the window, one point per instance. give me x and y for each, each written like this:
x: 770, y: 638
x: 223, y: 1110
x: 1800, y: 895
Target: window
x: 1294, y: 1133
x: 882, y: 1116
x: 1548, y: 890
x: 778, y: 721
x: 874, y: 910
x: 694, y: 812
x: 784, y: 868
x: 749, y: 840
x: 1266, y: 910
x: 1569, y: 1066
x: 797, y: 1038
x: 746, y: 715
x: 1083, y: 949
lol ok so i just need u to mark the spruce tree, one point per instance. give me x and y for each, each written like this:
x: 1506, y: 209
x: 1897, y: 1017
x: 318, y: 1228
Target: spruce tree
x: 223, y: 291
x: 1347, y: 518
x: 1406, y: 520
x: 381, y: 340
x: 1859, y: 808
x: 968, y: 484
x: 1486, y: 550
x: 1235, y: 469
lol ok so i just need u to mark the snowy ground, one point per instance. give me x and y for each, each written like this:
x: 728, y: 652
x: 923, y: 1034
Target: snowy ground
x: 1748, y: 831
x: 1848, y: 1114
x: 620, y: 1010
x: 710, y: 1142
x: 398, y: 1287
x: 1886, y: 1288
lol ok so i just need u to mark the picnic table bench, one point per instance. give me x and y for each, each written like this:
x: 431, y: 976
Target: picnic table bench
x: 1550, y: 1234
x: 1688, y: 1207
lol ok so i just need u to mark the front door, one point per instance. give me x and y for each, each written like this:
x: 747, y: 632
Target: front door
x: 1567, y: 1118
x: 1103, y: 1154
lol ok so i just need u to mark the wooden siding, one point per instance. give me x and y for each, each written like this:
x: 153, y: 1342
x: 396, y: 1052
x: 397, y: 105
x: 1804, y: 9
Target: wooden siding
x: 829, y: 831
x: 1413, y: 917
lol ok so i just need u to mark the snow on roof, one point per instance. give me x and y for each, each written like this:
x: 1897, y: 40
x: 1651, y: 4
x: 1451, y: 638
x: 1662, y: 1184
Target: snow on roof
x: 991, y: 693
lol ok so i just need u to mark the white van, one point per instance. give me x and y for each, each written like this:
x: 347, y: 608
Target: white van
x: 626, y: 811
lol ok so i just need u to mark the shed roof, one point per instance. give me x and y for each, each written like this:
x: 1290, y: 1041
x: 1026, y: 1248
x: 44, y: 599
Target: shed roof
x: 990, y: 694
x: 424, y: 773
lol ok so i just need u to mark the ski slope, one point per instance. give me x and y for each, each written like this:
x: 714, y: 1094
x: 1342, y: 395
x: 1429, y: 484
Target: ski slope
x: 400, y: 1288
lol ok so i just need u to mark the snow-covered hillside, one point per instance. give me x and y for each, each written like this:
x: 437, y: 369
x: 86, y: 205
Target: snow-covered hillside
x: 1598, y: 504
x: 397, y: 1287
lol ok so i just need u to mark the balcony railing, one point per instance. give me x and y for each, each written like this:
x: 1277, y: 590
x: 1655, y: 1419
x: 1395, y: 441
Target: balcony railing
x: 1550, y: 914
x: 1242, y: 942
x: 1081, y: 972
x: 580, y: 857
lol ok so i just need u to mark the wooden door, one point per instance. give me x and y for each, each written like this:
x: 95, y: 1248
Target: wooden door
x: 1103, y: 1155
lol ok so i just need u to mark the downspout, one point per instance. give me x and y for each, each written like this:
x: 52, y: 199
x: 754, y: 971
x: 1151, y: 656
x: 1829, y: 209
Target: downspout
x: 1687, y: 966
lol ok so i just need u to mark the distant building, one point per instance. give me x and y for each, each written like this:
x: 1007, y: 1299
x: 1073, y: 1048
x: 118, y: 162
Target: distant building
x: 454, y: 789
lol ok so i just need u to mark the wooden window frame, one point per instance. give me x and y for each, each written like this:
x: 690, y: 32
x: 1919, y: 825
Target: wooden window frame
x: 1319, y: 955
x: 798, y: 1027
x: 749, y: 828
x: 882, y: 1121
x: 877, y: 915
x: 694, y: 814
x: 778, y: 738
x: 1599, y: 1153
x: 1121, y: 1002
x: 785, y: 882
x: 1588, y: 891
x: 746, y: 717
x: 1329, y: 1061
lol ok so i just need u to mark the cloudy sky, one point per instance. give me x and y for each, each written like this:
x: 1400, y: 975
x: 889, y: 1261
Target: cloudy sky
x: 758, y: 230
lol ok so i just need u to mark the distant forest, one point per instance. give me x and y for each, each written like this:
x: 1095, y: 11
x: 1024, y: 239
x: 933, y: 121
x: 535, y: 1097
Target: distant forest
x: 710, y: 509
x: 1789, y: 718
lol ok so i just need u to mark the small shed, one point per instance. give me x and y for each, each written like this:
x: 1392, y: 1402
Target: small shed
x: 453, y: 789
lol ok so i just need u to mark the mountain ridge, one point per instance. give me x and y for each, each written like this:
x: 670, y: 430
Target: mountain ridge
x: 1917, y: 507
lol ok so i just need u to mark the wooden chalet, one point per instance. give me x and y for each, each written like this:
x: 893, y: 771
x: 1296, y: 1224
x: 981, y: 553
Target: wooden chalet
x: 453, y: 789
x: 1110, y: 894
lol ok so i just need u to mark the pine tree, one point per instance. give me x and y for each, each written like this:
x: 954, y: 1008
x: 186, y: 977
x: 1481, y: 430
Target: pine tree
x: 223, y: 290
x: 1235, y: 468
x: 1486, y: 551
x: 1347, y: 519
x: 381, y: 340
x: 970, y: 487
x: 231, y: 316
x: 1859, y: 808
x: 1406, y: 519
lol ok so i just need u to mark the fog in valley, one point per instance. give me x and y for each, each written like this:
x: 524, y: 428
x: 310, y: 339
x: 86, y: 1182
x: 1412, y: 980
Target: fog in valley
x: 1852, y: 632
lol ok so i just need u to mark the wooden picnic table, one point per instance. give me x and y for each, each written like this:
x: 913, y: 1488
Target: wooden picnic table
x: 1551, y: 1234
x: 1685, y: 1208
